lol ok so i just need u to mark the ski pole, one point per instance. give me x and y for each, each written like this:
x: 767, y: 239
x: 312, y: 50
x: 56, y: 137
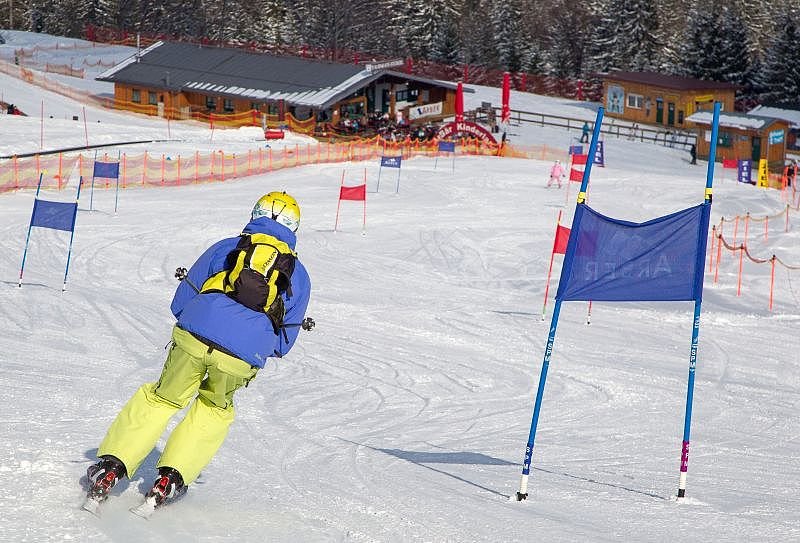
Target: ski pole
x: 182, y: 274
x: 306, y: 324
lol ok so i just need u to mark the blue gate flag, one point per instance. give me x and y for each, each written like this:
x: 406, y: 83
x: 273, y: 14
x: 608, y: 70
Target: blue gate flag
x: 447, y: 146
x: 599, y: 155
x: 390, y: 161
x: 745, y: 169
x: 106, y: 169
x: 576, y: 149
x: 55, y: 215
x: 614, y: 260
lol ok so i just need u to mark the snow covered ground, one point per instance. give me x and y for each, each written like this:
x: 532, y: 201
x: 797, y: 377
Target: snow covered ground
x: 404, y: 415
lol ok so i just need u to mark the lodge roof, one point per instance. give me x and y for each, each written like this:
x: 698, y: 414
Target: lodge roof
x: 676, y: 82
x: 742, y: 121
x: 237, y: 73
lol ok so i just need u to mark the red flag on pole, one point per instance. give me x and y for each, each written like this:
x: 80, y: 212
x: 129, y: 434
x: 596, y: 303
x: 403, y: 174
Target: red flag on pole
x: 357, y: 193
x: 579, y: 159
x: 505, y: 115
x: 353, y: 193
x: 460, y: 103
x: 575, y: 175
x: 562, y: 237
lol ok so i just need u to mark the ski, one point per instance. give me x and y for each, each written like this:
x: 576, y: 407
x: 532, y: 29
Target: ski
x: 146, y: 508
x: 92, y: 504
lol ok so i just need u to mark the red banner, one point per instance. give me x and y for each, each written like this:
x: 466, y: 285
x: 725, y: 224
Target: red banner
x: 460, y: 103
x: 353, y: 193
x: 575, y: 175
x: 505, y: 114
x: 562, y: 237
x: 730, y: 163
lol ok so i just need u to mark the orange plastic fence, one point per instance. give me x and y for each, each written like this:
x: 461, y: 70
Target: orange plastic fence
x: 149, y: 169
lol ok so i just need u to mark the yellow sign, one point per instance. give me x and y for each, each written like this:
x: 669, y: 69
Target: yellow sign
x: 763, y: 173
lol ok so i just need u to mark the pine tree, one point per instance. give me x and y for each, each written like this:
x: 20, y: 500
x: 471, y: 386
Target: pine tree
x: 780, y: 71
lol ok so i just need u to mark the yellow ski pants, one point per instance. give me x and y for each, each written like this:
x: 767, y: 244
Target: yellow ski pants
x: 193, y: 370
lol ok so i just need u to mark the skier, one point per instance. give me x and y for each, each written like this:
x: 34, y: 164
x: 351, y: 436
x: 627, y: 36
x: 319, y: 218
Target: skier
x: 556, y: 173
x: 220, y: 341
x: 585, y: 133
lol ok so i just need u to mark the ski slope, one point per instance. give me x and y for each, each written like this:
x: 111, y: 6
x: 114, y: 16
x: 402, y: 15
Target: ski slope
x: 403, y: 416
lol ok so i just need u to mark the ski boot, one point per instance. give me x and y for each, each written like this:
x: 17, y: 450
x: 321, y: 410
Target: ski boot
x: 167, y: 487
x: 102, y: 477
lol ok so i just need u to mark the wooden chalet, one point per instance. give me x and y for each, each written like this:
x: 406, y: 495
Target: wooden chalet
x: 743, y: 136
x: 180, y: 80
x: 658, y: 99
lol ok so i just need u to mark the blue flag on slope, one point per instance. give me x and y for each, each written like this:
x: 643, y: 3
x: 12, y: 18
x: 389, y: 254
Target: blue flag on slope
x: 106, y: 169
x: 55, y: 215
x: 658, y: 260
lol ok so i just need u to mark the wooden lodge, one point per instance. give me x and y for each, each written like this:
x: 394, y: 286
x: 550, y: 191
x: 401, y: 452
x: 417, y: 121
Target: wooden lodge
x: 743, y: 136
x: 182, y: 81
x: 662, y: 100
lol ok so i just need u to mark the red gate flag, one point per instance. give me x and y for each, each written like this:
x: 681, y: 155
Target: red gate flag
x: 730, y: 163
x: 460, y: 103
x: 353, y: 193
x: 562, y: 237
x: 578, y: 159
x: 505, y: 115
x: 575, y: 175
x: 356, y: 193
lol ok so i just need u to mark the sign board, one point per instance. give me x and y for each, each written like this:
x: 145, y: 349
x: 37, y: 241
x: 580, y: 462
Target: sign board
x: 375, y: 66
x: 427, y: 110
x: 464, y: 130
x: 775, y: 136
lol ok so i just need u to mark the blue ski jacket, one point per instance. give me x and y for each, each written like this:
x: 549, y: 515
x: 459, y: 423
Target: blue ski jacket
x: 223, y: 321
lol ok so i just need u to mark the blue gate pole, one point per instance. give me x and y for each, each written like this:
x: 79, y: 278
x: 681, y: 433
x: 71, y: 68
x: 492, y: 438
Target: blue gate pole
x: 566, y: 270
x: 72, y: 234
x: 522, y: 493
x: 116, y: 195
x: 687, y: 422
x: 30, y: 227
x: 91, y: 192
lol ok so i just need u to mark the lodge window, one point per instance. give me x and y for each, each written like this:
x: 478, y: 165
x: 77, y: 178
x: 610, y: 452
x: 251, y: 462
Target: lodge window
x: 406, y: 95
x: 227, y: 105
x: 211, y: 102
x: 136, y: 96
x: 255, y: 105
x: 725, y: 139
x: 152, y: 99
x: 635, y: 101
x: 272, y: 108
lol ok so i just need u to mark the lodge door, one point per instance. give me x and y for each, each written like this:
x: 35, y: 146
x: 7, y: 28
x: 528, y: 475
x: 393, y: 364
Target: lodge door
x: 670, y: 114
x: 659, y: 111
x: 756, y: 153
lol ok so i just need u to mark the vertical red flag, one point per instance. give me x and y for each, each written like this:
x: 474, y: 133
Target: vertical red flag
x: 505, y: 114
x: 460, y: 103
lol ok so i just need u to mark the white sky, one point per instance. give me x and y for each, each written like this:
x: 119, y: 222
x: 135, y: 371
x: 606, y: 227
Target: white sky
x: 404, y: 415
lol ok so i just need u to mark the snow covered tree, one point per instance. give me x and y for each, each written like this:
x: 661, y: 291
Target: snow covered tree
x: 780, y: 70
x: 716, y: 46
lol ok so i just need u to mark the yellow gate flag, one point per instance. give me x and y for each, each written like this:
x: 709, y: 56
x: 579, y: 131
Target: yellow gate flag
x: 763, y: 173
